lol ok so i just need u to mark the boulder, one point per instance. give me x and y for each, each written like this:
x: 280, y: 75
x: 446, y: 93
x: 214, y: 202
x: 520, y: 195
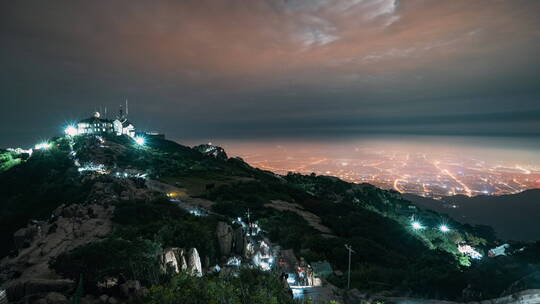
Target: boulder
x: 194, y: 262
x: 104, y: 298
x: 225, y: 235
x: 24, y: 236
x: 90, y: 299
x: 112, y: 300
x: 355, y: 296
x: 131, y: 289
x: 173, y: 259
x: 21, y: 289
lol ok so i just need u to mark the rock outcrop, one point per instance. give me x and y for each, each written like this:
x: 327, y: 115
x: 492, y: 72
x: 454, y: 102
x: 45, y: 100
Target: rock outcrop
x: 240, y: 241
x: 177, y: 259
x: 225, y: 235
x: 23, y: 237
x: 70, y: 226
x: 213, y: 151
x: 173, y: 260
x: 194, y: 262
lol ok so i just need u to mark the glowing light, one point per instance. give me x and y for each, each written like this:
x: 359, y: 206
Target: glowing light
x: 469, y: 251
x: 444, y: 228
x: 43, y: 145
x: 417, y: 225
x: 140, y: 140
x: 71, y: 131
x: 234, y: 261
x: 98, y: 168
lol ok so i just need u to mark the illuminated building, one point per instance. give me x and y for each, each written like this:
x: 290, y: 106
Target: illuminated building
x: 95, y: 125
x: 98, y: 125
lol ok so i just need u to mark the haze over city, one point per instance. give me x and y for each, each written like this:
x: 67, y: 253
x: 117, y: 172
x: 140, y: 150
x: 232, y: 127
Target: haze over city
x: 427, y: 166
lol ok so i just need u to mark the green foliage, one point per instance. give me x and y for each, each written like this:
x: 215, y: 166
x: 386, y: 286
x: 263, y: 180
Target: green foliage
x: 163, y: 222
x: 250, y: 286
x: 9, y: 160
x: 34, y: 188
x: 289, y: 228
x: 112, y: 257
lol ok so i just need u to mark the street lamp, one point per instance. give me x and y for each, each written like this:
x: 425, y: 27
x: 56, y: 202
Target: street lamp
x: 139, y: 140
x: 444, y: 229
x: 349, y: 248
x: 71, y: 131
x: 416, y: 225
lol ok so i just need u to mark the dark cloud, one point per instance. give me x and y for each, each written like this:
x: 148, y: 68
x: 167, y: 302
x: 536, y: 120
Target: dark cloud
x: 230, y: 68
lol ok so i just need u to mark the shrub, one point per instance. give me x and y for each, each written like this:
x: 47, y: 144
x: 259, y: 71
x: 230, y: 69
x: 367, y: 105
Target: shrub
x: 112, y: 257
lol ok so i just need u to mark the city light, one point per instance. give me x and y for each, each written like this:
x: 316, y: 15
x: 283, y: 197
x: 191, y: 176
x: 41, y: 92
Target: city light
x: 416, y: 225
x: 43, y: 145
x: 71, y: 131
x: 139, y: 140
x: 443, y: 228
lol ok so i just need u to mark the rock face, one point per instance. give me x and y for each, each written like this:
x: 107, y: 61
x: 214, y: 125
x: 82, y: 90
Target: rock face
x: 210, y: 150
x: 21, y: 289
x: 69, y: 227
x: 240, y: 241
x: 173, y: 260
x: 177, y: 259
x: 194, y: 262
x: 225, y: 235
x: 24, y: 236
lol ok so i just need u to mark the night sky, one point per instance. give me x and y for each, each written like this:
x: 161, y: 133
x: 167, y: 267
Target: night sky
x: 272, y: 68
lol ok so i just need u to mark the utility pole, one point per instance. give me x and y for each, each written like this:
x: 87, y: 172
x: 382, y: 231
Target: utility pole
x: 349, y: 248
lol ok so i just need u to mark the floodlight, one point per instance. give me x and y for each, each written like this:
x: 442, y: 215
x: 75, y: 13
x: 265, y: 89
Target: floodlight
x: 417, y: 225
x: 71, y: 131
x: 443, y: 228
x: 139, y: 140
x: 43, y: 145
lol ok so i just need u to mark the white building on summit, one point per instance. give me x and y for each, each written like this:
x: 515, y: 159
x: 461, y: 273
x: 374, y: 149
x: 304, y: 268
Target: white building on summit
x: 97, y: 125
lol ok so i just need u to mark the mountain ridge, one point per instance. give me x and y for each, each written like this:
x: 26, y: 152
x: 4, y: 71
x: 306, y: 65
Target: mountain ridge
x: 511, y: 215
x: 161, y: 191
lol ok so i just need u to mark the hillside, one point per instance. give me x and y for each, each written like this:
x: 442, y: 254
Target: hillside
x: 106, y: 217
x: 513, y: 216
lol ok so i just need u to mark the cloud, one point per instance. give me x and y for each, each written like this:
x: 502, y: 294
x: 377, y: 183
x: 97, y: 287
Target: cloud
x: 281, y: 61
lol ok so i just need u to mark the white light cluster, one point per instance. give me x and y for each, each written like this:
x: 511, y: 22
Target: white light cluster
x: 71, y: 130
x: 42, y: 146
x: 469, y: 251
x: 234, y: 261
x: 91, y: 167
x: 444, y: 229
x: 417, y: 225
x: 21, y: 151
x: 139, y: 140
x: 131, y: 175
x: 266, y: 263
